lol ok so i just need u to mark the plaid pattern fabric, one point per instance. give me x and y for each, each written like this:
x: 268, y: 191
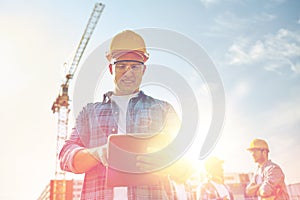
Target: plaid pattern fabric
x: 184, y: 191
x: 207, y: 191
x: 96, y: 122
x: 272, y: 178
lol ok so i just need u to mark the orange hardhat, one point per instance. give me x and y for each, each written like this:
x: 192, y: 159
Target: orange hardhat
x: 127, y: 42
x: 258, y: 144
x: 212, y: 162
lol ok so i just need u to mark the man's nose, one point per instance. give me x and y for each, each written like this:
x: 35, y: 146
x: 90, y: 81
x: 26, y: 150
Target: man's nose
x: 127, y: 70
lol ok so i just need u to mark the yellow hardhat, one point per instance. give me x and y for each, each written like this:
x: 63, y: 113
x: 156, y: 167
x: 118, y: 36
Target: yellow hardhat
x: 212, y: 162
x: 258, y: 144
x: 125, y: 42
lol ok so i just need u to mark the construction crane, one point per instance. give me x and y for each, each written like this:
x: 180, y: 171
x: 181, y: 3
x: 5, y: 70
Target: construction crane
x: 61, y: 104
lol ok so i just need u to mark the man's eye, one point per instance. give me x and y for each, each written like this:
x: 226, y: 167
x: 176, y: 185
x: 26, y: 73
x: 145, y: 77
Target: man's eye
x: 121, y: 66
x: 135, y: 67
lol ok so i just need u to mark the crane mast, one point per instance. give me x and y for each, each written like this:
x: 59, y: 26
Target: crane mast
x: 61, y: 104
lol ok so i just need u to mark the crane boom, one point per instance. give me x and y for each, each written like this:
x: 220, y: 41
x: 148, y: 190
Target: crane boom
x: 85, y: 38
x: 61, y: 104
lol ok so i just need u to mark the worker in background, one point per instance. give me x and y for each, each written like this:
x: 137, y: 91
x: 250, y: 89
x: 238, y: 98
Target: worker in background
x: 183, y: 190
x: 268, y: 181
x: 214, y: 187
x: 125, y: 110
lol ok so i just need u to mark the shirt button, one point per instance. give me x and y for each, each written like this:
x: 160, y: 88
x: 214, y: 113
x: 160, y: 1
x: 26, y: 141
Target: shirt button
x: 113, y: 129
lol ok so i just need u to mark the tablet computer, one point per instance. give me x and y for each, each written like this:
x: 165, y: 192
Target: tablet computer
x: 122, y: 152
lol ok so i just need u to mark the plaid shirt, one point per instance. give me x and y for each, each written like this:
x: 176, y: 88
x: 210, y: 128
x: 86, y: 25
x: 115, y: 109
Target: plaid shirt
x: 207, y: 191
x: 272, y: 182
x: 93, y: 126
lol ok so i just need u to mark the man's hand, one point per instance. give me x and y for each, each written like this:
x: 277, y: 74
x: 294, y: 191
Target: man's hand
x: 100, y: 153
x: 86, y: 159
x: 252, y: 189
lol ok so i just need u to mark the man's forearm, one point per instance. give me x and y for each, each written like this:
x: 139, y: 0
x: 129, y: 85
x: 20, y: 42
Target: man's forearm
x: 252, y: 189
x: 83, y: 161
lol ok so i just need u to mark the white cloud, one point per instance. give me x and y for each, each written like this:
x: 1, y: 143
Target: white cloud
x: 257, y: 50
x: 242, y: 56
x: 295, y: 67
x: 276, y: 51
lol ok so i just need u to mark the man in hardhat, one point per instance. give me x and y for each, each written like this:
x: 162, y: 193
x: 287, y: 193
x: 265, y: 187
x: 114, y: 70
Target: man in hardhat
x: 214, y: 187
x: 125, y: 110
x: 268, y: 181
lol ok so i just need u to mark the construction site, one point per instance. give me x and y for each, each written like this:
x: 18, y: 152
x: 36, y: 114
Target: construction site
x: 64, y: 188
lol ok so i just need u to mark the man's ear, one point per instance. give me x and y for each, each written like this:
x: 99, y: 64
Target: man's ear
x: 110, y: 68
x: 144, y: 69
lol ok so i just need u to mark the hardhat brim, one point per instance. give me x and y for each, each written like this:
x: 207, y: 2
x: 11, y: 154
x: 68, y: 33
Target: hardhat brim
x: 111, y: 56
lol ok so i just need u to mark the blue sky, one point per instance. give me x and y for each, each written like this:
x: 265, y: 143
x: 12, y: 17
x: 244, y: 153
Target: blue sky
x: 255, y: 46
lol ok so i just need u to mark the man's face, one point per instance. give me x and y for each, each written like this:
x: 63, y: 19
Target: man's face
x: 217, y: 170
x: 127, y: 72
x: 257, y: 155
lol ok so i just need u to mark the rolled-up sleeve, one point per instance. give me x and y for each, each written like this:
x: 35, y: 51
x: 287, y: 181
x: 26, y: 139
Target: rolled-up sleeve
x: 74, y: 143
x: 273, y: 176
x: 67, y: 153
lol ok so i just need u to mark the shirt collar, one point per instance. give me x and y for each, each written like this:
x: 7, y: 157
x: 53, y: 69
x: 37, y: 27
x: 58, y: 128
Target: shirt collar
x: 107, y: 96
